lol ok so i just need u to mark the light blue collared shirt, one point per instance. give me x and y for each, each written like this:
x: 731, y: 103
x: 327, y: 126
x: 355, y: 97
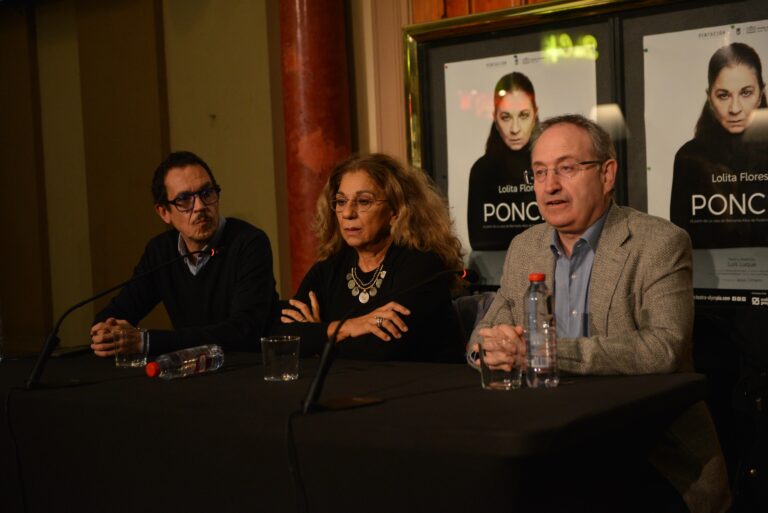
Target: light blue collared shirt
x: 201, y: 260
x: 572, y: 276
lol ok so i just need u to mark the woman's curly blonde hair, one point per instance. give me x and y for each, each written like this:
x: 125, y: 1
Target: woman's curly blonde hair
x: 422, y: 223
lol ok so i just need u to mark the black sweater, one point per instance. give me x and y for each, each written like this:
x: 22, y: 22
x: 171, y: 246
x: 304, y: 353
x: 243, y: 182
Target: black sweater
x: 433, y: 330
x: 231, y: 301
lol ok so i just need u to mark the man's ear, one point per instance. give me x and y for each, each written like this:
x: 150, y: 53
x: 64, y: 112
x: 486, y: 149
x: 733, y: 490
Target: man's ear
x: 609, y: 175
x: 164, y: 212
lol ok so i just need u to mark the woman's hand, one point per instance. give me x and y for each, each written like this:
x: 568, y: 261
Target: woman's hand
x: 384, y: 322
x: 301, y: 312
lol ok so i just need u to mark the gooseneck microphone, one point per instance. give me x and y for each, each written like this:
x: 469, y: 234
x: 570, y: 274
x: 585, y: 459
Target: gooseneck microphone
x: 469, y: 275
x: 53, y: 337
x: 310, y: 403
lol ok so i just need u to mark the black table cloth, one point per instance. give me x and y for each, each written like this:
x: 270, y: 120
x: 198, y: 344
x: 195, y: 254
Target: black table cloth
x: 97, y: 438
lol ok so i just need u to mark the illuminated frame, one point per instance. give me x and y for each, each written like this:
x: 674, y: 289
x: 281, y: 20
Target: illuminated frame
x: 628, y: 21
x: 422, y: 39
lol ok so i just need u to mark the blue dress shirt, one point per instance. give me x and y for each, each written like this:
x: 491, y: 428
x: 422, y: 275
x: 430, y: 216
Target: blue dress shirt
x: 572, y: 276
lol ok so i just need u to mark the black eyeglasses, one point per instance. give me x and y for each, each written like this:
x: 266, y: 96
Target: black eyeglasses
x: 362, y: 203
x: 185, y: 201
x: 565, y: 169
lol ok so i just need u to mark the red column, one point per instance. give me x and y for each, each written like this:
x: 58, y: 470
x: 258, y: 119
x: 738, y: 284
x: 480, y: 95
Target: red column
x: 316, y: 110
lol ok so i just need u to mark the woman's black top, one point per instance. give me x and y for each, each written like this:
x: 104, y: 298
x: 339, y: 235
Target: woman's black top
x: 433, y: 330
x: 500, y: 204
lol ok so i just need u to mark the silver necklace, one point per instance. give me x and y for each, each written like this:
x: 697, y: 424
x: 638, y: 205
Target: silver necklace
x: 364, y: 291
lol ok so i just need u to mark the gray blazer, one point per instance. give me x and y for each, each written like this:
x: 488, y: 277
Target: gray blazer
x: 641, y: 322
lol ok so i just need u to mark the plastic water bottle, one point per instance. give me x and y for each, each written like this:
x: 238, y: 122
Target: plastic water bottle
x: 540, y: 335
x: 186, y: 362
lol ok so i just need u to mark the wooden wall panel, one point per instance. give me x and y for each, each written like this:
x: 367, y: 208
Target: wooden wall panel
x: 423, y: 11
x: 479, y: 6
x: 25, y: 291
x: 125, y: 128
x: 65, y: 181
x: 433, y: 10
x: 455, y: 8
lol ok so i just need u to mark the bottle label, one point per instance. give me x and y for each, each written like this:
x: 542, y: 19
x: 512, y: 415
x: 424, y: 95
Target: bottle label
x: 539, y: 349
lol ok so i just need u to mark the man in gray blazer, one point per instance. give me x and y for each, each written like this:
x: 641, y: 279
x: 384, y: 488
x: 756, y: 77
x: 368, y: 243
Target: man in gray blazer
x: 623, y: 293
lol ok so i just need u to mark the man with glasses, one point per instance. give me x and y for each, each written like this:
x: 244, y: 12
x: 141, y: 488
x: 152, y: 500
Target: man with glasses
x: 222, y: 293
x: 623, y: 292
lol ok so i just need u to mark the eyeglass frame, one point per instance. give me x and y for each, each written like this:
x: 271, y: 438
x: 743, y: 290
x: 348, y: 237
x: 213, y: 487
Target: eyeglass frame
x: 530, y: 178
x: 354, y: 202
x: 192, y: 195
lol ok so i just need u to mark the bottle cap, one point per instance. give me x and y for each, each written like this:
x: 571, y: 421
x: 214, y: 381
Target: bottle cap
x: 152, y: 369
x: 536, y: 277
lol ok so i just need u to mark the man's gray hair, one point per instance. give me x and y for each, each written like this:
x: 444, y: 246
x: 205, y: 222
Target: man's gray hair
x: 602, y: 146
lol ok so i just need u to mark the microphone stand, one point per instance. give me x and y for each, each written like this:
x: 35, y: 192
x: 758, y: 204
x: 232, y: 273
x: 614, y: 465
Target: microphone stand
x: 311, y: 403
x: 53, y: 337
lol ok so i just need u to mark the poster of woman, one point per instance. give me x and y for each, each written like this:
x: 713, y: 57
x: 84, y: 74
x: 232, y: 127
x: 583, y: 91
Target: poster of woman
x: 492, y: 107
x: 713, y: 197
x: 708, y: 163
x: 492, y: 224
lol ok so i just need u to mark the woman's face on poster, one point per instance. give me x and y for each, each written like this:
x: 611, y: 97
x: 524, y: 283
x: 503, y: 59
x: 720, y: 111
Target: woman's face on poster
x: 515, y: 119
x: 735, y: 96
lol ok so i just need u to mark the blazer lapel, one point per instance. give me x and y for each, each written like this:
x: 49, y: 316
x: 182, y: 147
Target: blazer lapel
x: 608, y: 265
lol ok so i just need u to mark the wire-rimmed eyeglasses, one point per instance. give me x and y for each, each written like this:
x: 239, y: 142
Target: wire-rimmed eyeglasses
x: 361, y: 203
x: 565, y: 169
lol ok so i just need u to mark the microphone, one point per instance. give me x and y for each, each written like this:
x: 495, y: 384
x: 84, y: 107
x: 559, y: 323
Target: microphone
x: 469, y: 275
x: 310, y: 403
x: 53, y: 337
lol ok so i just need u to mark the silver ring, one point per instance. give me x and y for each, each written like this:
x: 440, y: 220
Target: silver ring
x: 379, y: 320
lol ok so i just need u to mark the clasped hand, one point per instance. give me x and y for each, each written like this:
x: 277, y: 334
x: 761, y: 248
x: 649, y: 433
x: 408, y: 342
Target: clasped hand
x: 384, y: 322
x: 102, y: 341
x: 503, y: 347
